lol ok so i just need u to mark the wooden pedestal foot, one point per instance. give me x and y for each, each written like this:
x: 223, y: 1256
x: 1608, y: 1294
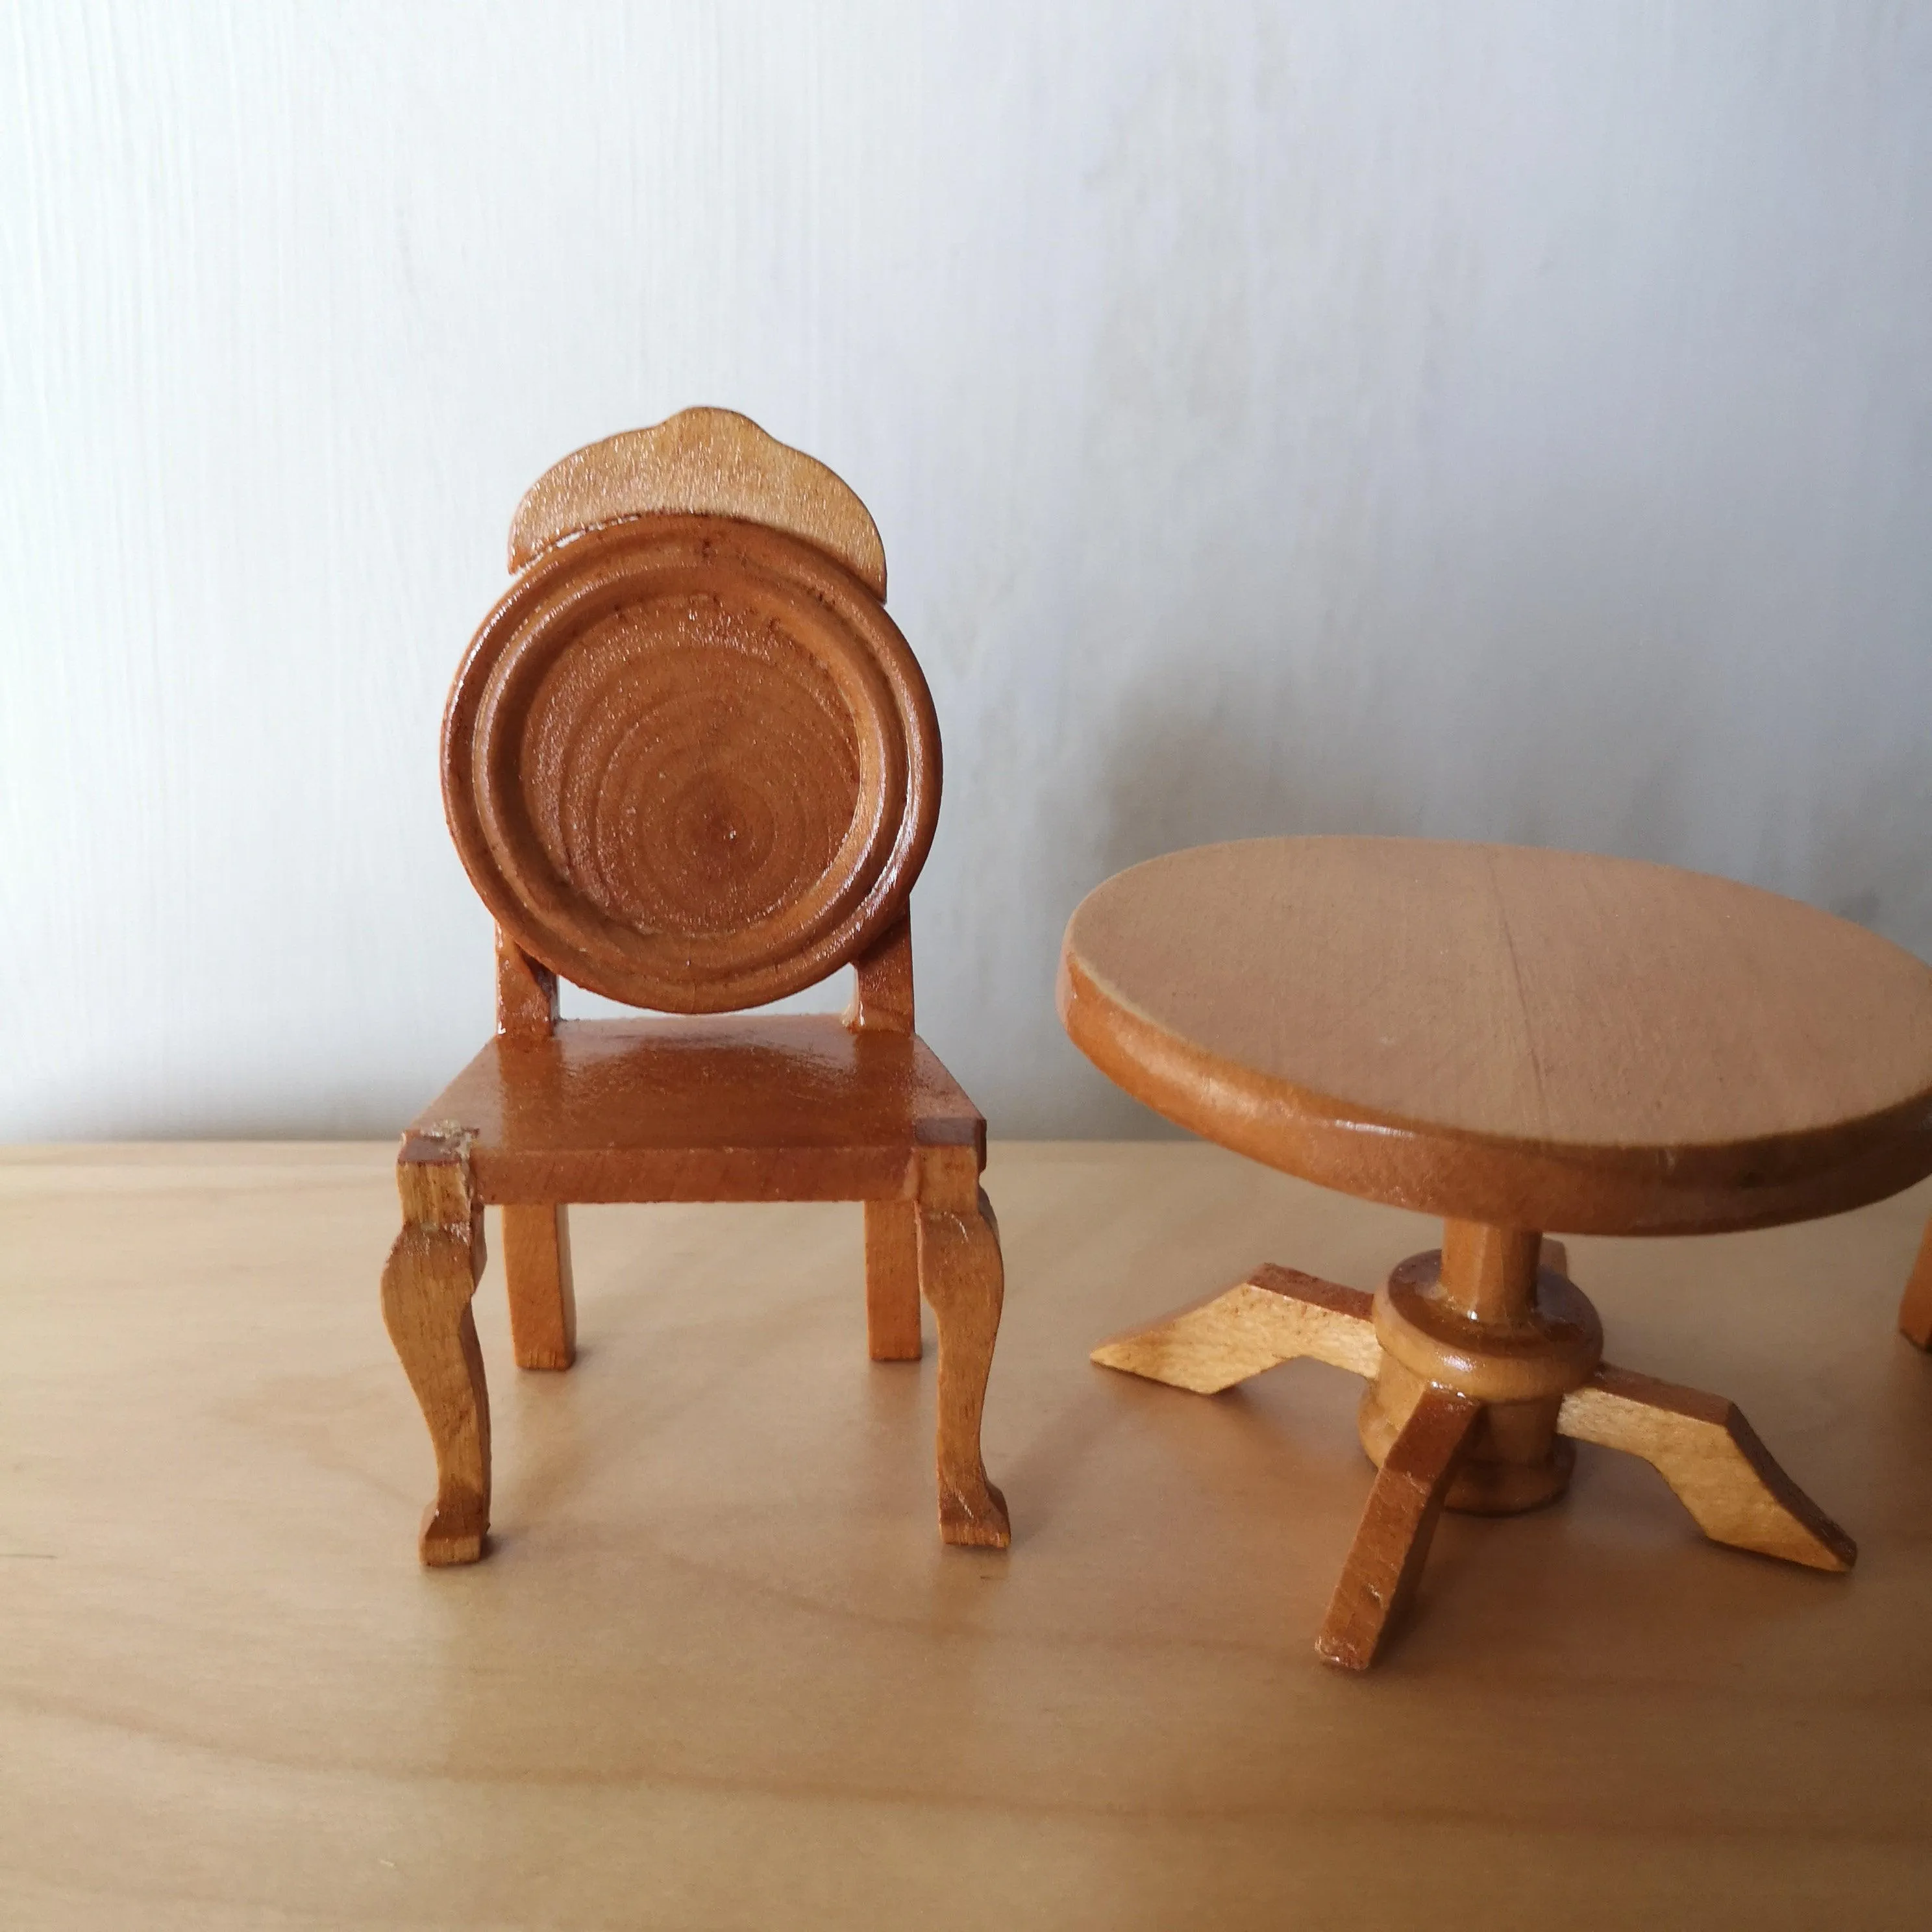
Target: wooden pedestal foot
x: 891, y: 1281
x: 431, y: 1276
x: 1712, y: 1456
x: 543, y: 1298
x: 964, y: 1280
x: 1392, y: 1544
x: 1274, y: 1316
x: 1480, y: 1360
x: 1915, y: 1312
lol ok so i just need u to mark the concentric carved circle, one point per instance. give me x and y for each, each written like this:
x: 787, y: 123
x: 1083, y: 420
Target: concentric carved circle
x: 691, y: 763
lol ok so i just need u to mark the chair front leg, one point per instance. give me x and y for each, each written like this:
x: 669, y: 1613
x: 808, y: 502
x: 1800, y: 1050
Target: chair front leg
x: 964, y: 1279
x: 432, y: 1273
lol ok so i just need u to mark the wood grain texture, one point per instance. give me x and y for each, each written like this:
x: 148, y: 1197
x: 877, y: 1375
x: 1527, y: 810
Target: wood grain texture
x: 719, y: 1673
x: 691, y: 764
x: 705, y: 462
x: 891, y: 1281
x: 1526, y: 1038
x: 431, y: 1274
x: 1384, y: 1562
x: 882, y: 991
x: 527, y: 994
x: 1275, y: 1316
x: 962, y: 1276
x: 788, y: 1106
x: 542, y: 1290
x: 1531, y: 1383
x: 1711, y: 1457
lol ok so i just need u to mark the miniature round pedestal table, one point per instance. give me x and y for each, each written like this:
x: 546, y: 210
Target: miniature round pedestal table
x: 1525, y: 1043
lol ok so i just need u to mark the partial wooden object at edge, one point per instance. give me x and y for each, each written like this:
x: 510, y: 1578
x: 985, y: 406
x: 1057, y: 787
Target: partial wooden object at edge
x: 1915, y: 1311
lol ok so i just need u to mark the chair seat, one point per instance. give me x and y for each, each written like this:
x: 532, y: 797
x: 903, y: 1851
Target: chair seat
x: 794, y: 1107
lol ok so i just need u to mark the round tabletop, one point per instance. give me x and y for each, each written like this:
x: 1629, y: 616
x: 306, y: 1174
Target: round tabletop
x: 1494, y: 1032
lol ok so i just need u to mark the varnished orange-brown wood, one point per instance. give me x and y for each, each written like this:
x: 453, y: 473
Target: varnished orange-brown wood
x: 1515, y: 1040
x: 690, y: 763
x: 1512, y: 1456
x: 757, y: 1107
x: 1914, y: 1310
x: 542, y: 1293
x: 882, y: 996
x: 963, y: 1279
x: 431, y: 1275
x: 891, y: 1281
x: 1391, y: 1546
x: 1501, y: 1034
x: 526, y: 995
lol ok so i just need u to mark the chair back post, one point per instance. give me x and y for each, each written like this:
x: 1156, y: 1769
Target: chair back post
x: 881, y: 999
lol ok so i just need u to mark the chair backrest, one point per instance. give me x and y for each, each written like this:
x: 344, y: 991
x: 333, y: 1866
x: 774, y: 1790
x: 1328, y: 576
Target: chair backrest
x: 689, y: 762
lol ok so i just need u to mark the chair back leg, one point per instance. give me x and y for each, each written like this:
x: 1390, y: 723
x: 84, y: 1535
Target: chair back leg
x: 543, y: 1298
x: 891, y: 1281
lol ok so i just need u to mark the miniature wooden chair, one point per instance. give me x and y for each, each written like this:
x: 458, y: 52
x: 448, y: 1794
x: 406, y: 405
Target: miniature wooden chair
x: 690, y: 763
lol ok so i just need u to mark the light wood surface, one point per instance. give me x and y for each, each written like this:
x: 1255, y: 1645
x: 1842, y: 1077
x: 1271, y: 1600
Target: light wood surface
x: 703, y: 462
x: 1533, y: 1039
x: 1700, y: 1444
x: 719, y: 1674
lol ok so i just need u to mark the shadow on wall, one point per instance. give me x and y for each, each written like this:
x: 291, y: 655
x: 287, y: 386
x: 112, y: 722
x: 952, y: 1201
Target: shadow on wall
x: 1210, y: 751
x: 1176, y: 778
x: 1870, y: 860
x: 1224, y: 748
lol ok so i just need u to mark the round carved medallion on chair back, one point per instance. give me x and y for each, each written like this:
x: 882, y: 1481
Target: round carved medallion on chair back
x: 689, y: 762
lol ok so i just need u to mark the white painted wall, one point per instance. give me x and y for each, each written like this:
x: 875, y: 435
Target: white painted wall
x: 1508, y: 420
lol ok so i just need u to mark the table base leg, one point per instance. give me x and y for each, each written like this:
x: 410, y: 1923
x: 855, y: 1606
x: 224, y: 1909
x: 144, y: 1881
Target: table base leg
x: 1392, y: 1544
x: 1439, y: 1446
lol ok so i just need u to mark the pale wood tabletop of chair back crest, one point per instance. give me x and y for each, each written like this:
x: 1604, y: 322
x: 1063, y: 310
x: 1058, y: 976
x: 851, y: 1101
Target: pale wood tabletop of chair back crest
x: 701, y: 462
